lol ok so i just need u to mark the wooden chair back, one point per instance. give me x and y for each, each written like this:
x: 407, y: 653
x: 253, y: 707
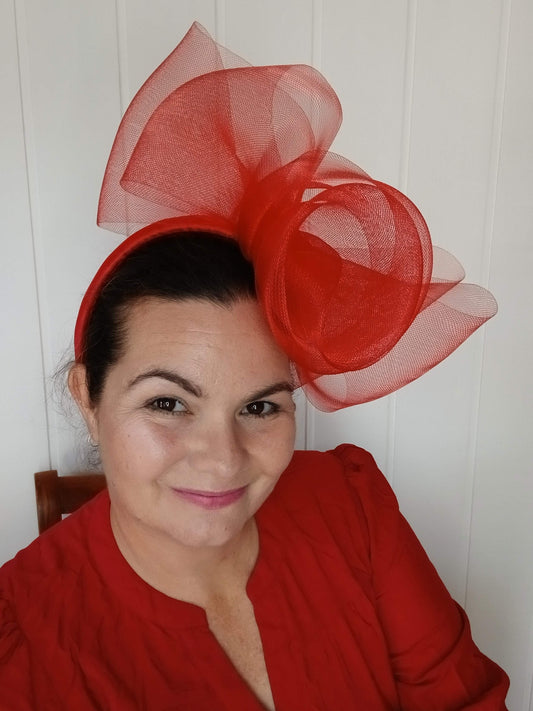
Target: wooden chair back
x: 58, y: 495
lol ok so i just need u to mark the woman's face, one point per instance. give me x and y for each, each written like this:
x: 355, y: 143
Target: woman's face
x: 196, y: 420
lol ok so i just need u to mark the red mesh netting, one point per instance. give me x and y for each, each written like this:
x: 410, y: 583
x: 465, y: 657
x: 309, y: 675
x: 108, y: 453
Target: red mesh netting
x: 344, y: 264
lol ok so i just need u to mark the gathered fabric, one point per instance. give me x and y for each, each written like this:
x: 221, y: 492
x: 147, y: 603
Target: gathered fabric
x: 351, y: 286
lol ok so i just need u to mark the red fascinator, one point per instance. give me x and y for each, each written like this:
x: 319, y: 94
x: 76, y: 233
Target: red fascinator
x: 345, y: 270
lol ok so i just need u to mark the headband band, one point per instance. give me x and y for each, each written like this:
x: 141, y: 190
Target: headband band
x: 345, y: 270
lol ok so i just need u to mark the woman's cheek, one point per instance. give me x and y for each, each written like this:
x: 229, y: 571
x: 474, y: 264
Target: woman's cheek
x: 274, y: 443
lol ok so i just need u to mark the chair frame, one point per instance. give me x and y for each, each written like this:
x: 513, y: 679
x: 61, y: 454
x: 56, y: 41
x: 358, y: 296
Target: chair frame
x: 57, y: 495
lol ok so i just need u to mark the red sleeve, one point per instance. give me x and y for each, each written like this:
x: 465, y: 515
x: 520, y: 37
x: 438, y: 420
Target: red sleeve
x: 24, y: 678
x: 14, y: 663
x: 436, y: 664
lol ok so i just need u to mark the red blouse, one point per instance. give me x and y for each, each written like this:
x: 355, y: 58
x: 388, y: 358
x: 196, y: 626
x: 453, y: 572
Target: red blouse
x: 352, y: 615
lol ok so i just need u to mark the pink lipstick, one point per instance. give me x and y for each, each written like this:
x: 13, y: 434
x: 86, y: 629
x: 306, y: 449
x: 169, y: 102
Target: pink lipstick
x: 211, y: 499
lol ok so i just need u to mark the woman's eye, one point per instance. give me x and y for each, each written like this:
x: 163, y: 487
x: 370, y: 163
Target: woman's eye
x: 167, y: 404
x: 261, y: 408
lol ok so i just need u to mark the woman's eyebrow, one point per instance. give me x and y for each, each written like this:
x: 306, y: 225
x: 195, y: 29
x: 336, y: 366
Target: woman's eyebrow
x: 282, y: 386
x: 169, y: 375
x: 193, y: 389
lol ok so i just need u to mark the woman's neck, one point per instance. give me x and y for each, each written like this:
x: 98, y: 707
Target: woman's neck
x: 191, y: 574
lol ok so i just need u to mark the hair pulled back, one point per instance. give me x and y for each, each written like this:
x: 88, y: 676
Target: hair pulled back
x: 175, y: 266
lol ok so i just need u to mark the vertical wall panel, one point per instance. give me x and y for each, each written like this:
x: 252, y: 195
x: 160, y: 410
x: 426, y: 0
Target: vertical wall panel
x: 22, y: 413
x: 456, y: 65
x: 454, y: 101
x: 274, y: 32
x: 156, y: 27
x: 72, y: 80
x: 364, y: 56
x: 501, y: 561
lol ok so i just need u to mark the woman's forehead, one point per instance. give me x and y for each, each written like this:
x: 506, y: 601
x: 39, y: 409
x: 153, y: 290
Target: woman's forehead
x: 208, y: 334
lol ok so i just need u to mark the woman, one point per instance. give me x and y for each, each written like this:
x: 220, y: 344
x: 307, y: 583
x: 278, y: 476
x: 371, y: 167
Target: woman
x: 221, y: 570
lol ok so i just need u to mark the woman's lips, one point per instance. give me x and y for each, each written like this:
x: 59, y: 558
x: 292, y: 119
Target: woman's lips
x: 211, y: 499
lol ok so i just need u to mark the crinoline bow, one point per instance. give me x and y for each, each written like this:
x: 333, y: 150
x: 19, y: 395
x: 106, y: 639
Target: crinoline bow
x: 346, y: 273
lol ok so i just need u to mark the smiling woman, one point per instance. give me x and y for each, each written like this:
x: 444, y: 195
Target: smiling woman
x: 204, y: 442
x: 221, y: 569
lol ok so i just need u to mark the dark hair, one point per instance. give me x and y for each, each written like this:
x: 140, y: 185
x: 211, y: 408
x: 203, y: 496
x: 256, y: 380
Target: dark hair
x: 176, y: 266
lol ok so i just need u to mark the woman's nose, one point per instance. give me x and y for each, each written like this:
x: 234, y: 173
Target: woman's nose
x: 219, y: 451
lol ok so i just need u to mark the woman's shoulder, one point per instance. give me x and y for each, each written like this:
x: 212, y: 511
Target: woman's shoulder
x: 42, y: 571
x: 349, y: 455
x: 347, y: 462
x: 42, y: 590
x: 346, y: 471
x: 340, y: 493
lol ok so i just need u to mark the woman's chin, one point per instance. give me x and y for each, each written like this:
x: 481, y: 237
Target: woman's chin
x: 204, y: 528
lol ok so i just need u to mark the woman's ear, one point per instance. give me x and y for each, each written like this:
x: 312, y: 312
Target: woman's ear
x: 77, y: 384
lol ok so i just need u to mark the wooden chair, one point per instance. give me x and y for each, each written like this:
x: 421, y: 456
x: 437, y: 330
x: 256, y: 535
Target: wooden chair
x: 58, y: 495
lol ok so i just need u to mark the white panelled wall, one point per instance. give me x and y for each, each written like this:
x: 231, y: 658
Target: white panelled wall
x: 438, y: 101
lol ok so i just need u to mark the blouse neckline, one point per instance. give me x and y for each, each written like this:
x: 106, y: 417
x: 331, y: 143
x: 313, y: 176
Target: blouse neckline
x: 138, y: 595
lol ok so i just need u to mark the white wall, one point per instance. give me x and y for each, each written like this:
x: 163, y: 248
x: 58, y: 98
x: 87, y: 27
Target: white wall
x: 438, y: 100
